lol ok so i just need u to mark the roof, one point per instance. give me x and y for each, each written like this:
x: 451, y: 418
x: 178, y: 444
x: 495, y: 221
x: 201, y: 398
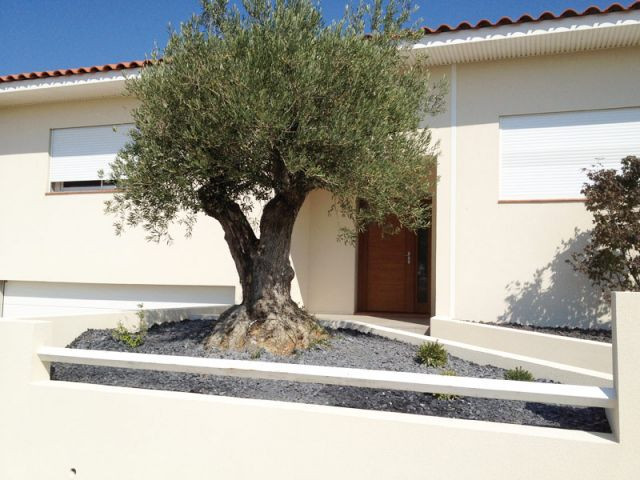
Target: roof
x: 74, y: 71
x: 616, y: 7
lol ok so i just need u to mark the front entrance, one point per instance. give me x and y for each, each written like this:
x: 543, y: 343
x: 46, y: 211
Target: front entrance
x: 394, y: 271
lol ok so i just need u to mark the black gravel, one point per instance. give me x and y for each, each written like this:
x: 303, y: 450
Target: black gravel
x: 595, y: 334
x: 345, y: 348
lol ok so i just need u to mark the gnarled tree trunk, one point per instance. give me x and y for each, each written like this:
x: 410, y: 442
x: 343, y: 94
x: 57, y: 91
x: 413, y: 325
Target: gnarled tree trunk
x: 267, y: 318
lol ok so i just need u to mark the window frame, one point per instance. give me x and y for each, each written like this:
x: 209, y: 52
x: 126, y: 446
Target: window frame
x: 50, y: 190
x: 551, y: 199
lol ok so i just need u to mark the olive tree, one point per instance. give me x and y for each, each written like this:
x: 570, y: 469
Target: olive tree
x: 611, y: 258
x: 261, y: 106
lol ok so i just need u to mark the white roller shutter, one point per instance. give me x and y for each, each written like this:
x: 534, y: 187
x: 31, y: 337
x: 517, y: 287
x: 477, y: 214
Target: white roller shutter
x: 77, y: 154
x: 543, y: 157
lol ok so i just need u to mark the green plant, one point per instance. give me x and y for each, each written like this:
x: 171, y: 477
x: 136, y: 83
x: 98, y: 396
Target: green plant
x: 610, y: 258
x: 256, y: 354
x: 262, y: 107
x: 132, y: 338
x: 140, y: 313
x: 432, y: 354
x: 519, y: 374
x: 319, y: 343
x: 447, y: 396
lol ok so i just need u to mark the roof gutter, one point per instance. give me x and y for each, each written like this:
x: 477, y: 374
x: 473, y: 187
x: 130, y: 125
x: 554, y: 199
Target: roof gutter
x: 547, y: 37
x: 62, y: 88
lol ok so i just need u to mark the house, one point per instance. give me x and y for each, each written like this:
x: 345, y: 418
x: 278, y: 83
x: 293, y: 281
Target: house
x: 531, y: 103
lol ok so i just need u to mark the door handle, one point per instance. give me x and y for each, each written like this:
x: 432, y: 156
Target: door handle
x: 408, y: 258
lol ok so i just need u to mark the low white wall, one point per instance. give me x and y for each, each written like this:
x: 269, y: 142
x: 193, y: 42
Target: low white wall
x: 49, y: 428
x: 539, y: 366
x: 66, y: 328
x: 46, y: 299
x: 570, y: 351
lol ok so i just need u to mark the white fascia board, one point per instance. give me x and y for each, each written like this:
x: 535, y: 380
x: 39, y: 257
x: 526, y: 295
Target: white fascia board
x: 81, y: 86
x: 532, y: 38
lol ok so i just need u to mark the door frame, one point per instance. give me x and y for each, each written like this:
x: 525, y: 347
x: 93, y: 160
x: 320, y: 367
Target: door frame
x: 424, y: 308
x: 411, y: 301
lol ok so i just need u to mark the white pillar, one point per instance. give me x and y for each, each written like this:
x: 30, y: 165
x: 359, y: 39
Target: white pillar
x: 625, y: 418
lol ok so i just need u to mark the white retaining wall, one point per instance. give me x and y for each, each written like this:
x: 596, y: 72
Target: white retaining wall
x: 570, y: 351
x: 538, y: 365
x: 46, y: 299
x: 49, y: 428
x: 67, y: 328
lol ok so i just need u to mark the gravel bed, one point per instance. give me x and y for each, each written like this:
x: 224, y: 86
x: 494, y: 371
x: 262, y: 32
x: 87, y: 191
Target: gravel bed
x: 595, y: 334
x: 345, y: 348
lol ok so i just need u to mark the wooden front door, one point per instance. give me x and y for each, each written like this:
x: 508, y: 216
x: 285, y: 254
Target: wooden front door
x: 393, y: 271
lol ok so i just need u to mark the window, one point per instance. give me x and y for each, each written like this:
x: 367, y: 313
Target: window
x: 543, y: 157
x: 88, y: 185
x: 78, y: 154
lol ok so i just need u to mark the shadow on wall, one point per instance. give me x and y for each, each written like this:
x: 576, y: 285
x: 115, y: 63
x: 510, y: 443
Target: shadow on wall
x: 558, y: 295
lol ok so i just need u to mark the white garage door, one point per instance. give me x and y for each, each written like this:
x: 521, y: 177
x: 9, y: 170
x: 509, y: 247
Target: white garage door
x: 33, y: 299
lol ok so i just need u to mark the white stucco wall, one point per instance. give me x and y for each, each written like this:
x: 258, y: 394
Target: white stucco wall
x: 67, y: 240
x: 101, y: 432
x: 510, y: 258
x: 491, y: 261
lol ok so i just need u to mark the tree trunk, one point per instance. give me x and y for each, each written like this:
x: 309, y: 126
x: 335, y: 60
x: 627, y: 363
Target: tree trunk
x: 267, y: 318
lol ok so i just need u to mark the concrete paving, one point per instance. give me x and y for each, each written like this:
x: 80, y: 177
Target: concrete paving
x: 409, y: 323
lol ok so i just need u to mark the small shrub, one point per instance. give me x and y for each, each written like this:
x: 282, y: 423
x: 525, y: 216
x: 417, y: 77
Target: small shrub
x: 610, y: 256
x: 256, y: 354
x: 319, y: 343
x: 140, y: 314
x: 132, y: 338
x: 432, y: 354
x: 447, y: 396
x: 519, y: 374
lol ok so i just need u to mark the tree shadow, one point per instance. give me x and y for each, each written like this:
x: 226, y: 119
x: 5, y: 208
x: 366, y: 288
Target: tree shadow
x: 558, y: 295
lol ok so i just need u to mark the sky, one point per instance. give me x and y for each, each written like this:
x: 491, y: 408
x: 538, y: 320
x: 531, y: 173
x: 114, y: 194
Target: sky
x: 40, y: 35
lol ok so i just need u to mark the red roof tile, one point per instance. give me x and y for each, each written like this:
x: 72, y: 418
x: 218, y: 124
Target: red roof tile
x: 616, y: 7
x: 74, y: 71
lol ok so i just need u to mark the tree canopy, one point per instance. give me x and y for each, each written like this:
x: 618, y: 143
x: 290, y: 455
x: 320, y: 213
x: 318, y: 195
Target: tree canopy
x: 261, y: 107
x: 247, y: 104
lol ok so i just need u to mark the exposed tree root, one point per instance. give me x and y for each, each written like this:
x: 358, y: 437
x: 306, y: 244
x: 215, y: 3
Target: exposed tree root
x: 279, y: 328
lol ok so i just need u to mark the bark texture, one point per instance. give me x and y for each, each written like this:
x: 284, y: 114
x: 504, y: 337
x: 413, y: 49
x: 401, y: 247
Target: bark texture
x: 267, y: 318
